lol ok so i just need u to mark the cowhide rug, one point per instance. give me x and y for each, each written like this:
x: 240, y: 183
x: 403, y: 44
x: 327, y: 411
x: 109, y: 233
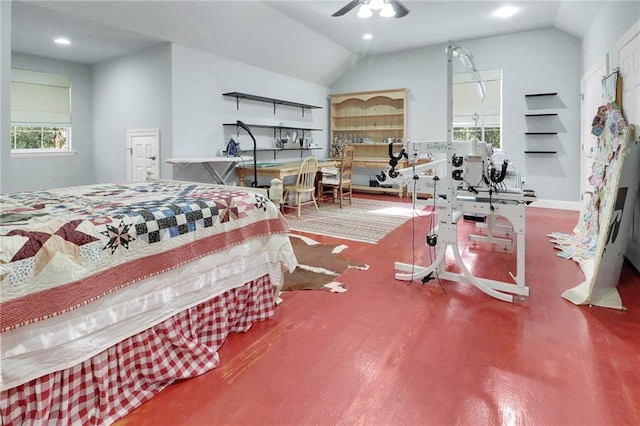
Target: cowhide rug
x: 318, y: 266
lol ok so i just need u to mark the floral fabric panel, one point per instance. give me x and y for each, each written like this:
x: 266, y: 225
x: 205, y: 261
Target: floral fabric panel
x: 611, y: 129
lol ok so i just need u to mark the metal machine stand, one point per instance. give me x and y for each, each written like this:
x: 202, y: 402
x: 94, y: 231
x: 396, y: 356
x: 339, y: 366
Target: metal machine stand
x: 491, y: 226
x: 448, y: 237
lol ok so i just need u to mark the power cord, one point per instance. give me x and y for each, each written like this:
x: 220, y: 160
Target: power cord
x: 413, y: 228
x: 432, y: 238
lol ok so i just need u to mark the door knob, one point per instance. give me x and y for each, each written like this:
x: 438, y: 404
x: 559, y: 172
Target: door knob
x: 153, y: 157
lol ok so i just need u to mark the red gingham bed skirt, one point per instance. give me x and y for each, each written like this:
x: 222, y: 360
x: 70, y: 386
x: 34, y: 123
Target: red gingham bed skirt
x: 111, y: 384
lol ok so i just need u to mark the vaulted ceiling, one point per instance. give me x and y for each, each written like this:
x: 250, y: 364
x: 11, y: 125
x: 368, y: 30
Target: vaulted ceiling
x: 298, y: 38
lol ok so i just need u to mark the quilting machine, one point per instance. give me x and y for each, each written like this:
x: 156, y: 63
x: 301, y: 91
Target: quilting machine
x: 468, y: 180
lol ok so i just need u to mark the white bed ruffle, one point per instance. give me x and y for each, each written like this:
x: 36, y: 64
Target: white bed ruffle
x: 65, y: 340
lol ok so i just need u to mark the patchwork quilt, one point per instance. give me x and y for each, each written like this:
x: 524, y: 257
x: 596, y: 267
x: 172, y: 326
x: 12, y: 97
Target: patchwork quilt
x: 62, y: 248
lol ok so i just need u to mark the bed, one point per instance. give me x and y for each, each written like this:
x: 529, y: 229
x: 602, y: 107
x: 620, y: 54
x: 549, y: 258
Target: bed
x: 111, y: 292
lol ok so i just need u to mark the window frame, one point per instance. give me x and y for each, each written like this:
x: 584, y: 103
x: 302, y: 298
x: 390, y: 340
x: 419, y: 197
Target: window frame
x: 26, y: 77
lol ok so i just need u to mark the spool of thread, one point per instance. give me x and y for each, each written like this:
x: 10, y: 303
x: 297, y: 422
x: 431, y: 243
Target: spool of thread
x: 276, y: 191
x: 474, y: 146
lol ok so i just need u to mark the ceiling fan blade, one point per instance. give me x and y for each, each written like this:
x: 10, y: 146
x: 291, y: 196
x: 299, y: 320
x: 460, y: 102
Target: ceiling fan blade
x: 347, y: 8
x: 401, y: 9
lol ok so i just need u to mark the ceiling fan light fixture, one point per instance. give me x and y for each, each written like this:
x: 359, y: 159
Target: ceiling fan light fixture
x: 387, y: 11
x: 376, y: 4
x: 365, y: 11
x: 387, y: 8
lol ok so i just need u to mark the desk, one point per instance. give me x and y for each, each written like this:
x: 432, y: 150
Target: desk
x: 229, y: 162
x: 279, y: 170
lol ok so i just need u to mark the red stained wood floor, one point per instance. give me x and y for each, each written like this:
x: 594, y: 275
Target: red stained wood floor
x: 391, y: 353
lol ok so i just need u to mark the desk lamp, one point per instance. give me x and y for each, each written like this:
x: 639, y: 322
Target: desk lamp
x: 254, y: 184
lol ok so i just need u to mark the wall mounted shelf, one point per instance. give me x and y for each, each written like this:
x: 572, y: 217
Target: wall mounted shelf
x: 276, y: 151
x: 296, y: 146
x: 277, y: 130
x: 274, y: 101
x: 532, y: 95
x: 278, y: 127
x: 543, y: 124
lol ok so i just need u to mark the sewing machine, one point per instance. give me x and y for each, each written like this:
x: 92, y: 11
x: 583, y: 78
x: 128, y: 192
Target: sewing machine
x: 470, y: 179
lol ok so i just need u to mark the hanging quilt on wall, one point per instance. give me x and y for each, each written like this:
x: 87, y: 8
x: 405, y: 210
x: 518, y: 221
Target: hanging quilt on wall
x: 596, y: 243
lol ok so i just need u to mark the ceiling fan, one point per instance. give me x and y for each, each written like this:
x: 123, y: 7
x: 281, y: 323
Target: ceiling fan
x: 399, y: 10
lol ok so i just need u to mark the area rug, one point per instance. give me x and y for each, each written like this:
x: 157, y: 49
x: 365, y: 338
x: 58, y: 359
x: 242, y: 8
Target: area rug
x: 319, y: 266
x: 364, y: 220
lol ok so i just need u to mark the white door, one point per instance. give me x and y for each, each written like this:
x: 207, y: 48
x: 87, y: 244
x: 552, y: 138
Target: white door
x: 144, y: 154
x: 628, y: 48
x: 591, y: 89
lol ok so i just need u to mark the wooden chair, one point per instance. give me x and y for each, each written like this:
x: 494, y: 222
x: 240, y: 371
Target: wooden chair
x: 340, y: 186
x: 305, y: 184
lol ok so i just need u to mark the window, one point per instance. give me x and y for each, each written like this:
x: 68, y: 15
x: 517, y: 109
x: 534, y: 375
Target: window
x: 470, y: 112
x: 40, y: 113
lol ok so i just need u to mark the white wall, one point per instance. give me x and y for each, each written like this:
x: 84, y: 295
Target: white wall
x: 5, y: 89
x: 181, y: 96
x: 131, y: 92
x: 27, y: 174
x: 612, y: 22
x: 614, y: 19
x: 532, y: 62
x: 199, y: 109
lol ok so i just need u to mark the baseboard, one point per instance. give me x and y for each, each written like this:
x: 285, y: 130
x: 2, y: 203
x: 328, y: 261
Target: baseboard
x: 557, y: 204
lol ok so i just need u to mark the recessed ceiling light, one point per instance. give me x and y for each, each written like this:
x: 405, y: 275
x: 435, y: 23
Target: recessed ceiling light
x: 62, y: 40
x: 367, y: 36
x: 505, y: 12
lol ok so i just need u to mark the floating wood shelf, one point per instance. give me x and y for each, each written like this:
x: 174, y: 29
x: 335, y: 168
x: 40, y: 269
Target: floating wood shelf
x: 541, y: 152
x: 551, y: 114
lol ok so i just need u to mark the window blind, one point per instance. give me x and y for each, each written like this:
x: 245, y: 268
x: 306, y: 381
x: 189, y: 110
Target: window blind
x: 466, y: 100
x: 39, y: 98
